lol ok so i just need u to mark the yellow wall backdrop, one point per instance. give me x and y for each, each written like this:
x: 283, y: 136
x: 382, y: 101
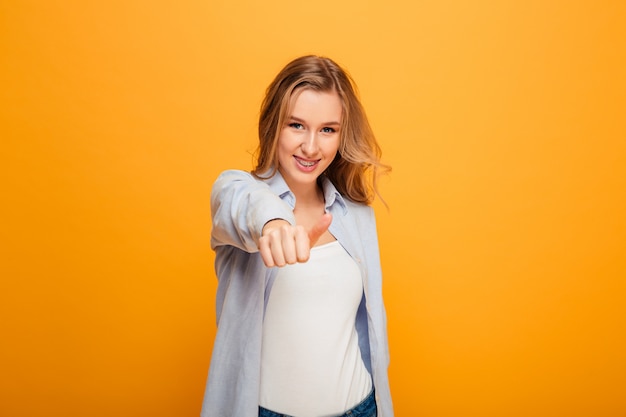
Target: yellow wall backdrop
x: 504, y: 249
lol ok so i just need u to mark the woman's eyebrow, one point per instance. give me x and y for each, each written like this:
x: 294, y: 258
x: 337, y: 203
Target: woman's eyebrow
x: 302, y: 121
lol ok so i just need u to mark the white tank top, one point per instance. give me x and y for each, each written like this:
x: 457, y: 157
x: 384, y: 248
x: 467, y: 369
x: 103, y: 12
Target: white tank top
x: 311, y: 364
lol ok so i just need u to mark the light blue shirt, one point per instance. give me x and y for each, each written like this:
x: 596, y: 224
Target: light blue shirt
x: 240, y: 206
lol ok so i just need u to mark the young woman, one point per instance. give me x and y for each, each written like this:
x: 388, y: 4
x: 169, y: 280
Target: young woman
x: 301, y: 322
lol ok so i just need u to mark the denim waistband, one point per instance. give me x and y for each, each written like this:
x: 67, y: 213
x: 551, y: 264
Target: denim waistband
x: 366, y: 408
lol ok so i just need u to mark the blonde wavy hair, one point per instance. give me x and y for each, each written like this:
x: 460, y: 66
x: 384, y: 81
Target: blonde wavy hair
x: 355, y: 169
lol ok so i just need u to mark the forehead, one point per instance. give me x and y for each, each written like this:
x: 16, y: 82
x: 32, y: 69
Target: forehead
x: 323, y: 106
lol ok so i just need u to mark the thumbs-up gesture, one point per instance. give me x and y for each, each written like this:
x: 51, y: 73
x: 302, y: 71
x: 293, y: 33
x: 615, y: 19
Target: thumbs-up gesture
x: 282, y: 244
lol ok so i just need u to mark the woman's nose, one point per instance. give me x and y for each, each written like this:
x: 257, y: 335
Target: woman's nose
x: 309, y: 145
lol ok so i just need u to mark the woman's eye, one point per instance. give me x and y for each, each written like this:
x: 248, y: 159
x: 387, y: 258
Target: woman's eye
x: 296, y: 125
x: 328, y: 130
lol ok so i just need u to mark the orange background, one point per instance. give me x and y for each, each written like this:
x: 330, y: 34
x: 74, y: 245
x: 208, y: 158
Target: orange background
x: 504, y: 248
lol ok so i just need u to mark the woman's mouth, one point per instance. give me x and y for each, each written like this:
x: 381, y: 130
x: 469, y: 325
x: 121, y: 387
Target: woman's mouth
x: 305, y: 163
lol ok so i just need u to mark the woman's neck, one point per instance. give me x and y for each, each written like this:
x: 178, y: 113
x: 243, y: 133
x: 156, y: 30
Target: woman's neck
x: 309, y: 196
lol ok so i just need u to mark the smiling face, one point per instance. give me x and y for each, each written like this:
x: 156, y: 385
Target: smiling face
x: 309, y: 139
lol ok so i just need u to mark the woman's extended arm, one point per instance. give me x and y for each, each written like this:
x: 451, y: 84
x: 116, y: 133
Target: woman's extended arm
x: 241, y: 206
x: 248, y: 215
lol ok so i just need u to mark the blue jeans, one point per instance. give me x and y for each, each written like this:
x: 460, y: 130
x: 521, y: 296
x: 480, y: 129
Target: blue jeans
x: 366, y: 408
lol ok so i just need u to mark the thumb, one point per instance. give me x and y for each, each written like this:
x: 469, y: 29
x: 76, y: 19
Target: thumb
x: 320, y: 227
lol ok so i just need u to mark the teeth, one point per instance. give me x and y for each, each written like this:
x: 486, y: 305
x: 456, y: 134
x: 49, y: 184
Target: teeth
x: 306, y: 163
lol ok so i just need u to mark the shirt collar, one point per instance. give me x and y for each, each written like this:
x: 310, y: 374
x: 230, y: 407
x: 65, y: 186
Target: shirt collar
x: 332, y: 196
x: 279, y: 187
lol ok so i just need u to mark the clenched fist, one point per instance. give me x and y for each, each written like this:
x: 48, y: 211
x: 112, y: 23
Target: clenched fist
x: 282, y: 244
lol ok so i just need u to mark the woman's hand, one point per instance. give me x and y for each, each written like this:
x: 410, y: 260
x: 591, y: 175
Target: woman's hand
x: 282, y: 244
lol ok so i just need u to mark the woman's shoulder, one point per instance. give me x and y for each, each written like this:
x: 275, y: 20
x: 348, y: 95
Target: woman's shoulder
x: 235, y: 174
x: 234, y: 179
x: 238, y: 176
